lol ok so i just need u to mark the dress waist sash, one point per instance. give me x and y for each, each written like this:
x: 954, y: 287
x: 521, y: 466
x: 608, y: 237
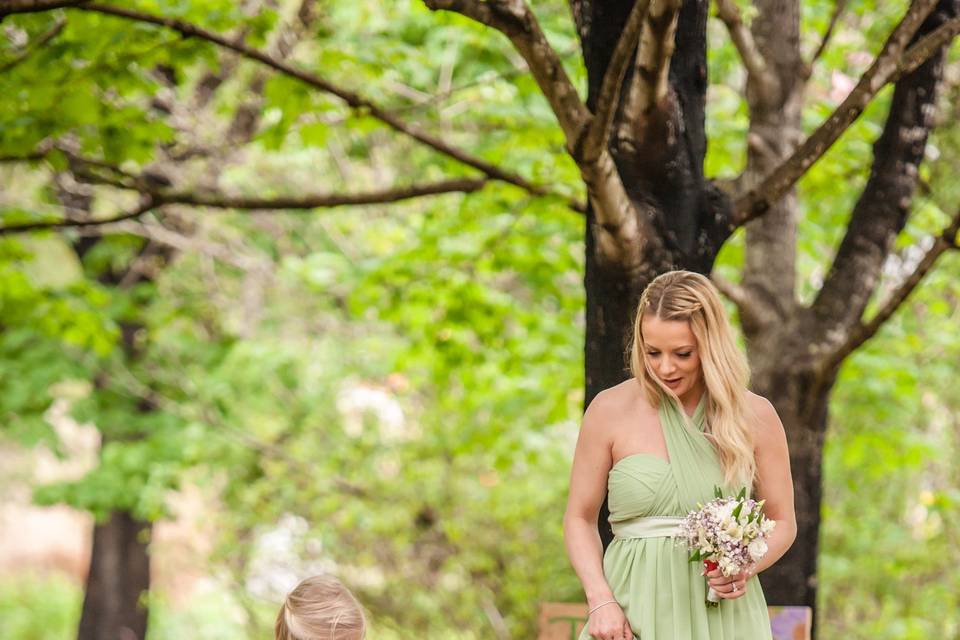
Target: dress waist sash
x: 647, y: 527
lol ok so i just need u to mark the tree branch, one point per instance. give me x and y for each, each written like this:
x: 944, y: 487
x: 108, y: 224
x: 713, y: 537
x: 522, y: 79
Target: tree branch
x: 33, y: 45
x: 926, y: 47
x: 598, y: 134
x: 766, y: 82
x: 650, y: 86
x: 156, y: 199
x: 514, y: 19
x: 246, y: 118
x: 227, y: 63
x: 884, y: 69
x: 838, y: 9
x: 864, y: 331
x: 352, y: 99
x: 324, y: 200
x: 8, y: 7
x: 884, y: 205
x: 749, y: 308
x: 624, y: 233
x: 146, y: 205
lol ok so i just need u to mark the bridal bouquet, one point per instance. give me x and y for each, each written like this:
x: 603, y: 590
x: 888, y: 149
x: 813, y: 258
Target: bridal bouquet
x: 729, y: 533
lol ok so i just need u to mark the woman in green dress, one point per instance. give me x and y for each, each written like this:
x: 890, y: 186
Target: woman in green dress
x: 656, y: 445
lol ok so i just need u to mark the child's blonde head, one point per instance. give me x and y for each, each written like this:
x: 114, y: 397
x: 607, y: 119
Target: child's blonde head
x: 320, y: 608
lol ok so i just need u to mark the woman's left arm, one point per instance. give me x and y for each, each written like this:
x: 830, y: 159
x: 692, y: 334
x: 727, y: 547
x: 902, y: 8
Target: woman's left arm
x: 774, y: 482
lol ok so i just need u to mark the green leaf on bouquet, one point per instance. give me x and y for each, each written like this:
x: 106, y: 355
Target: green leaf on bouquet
x: 736, y: 511
x: 742, y: 494
x: 717, y: 492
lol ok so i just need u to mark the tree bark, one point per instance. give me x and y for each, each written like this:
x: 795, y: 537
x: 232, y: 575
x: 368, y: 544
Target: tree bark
x: 686, y: 209
x: 792, y: 580
x: 119, y: 580
x: 114, y: 602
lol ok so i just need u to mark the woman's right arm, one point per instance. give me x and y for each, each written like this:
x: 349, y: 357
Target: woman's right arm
x: 592, y: 461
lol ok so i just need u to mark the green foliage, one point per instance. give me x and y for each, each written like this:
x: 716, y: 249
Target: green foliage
x: 407, y: 380
x: 892, y: 441
x: 39, y: 608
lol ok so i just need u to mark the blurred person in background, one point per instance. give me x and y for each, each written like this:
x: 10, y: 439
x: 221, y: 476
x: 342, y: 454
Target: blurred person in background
x: 320, y: 608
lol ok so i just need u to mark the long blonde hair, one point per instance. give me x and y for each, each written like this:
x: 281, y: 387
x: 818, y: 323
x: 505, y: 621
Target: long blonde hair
x: 320, y: 608
x: 684, y: 295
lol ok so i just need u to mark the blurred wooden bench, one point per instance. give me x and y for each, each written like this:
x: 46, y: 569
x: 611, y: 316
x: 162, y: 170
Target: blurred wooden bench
x: 564, y: 621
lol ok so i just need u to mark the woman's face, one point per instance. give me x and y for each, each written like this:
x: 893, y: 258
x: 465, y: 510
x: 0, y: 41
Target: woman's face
x: 671, y: 351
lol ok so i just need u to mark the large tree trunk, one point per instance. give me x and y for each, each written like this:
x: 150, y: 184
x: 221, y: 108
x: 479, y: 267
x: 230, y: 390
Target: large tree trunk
x: 785, y: 377
x: 113, y: 606
x: 793, y: 579
x: 118, y: 583
x: 665, y: 177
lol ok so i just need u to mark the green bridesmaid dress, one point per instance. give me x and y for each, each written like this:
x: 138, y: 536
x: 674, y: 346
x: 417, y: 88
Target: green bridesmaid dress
x: 660, y: 591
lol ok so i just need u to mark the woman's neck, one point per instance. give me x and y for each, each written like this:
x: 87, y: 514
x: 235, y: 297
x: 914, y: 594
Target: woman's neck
x: 691, y: 399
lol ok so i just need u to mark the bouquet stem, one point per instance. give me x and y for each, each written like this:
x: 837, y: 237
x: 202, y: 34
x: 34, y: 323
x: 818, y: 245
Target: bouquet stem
x: 713, y: 600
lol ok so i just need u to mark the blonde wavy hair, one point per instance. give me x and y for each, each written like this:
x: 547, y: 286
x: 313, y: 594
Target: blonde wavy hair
x: 320, y: 608
x: 688, y: 296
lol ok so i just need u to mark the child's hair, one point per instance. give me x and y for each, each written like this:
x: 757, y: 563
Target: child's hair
x: 320, y: 608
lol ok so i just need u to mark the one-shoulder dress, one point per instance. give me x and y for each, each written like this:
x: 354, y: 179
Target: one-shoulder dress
x: 661, y: 592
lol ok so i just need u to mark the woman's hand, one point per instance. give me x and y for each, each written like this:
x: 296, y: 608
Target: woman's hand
x: 730, y: 587
x: 609, y: 623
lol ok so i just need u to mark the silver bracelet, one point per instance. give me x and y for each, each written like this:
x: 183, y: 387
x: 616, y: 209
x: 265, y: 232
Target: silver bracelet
x: 600, y: 605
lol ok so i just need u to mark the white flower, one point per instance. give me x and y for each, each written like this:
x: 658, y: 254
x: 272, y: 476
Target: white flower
x: 757, y: 549
x: 725, y: 510
x: 734, y: 530
x: 728, y: 566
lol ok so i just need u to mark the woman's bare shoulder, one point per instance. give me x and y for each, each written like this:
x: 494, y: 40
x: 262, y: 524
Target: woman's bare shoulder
x: 761, y: 407
x: 617, y: 400
x: 768, y: 422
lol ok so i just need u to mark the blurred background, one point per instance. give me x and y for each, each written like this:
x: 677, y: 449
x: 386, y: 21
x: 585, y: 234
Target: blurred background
x: 389, y: 390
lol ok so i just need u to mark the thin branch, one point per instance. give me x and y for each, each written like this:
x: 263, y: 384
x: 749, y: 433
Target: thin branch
x: 624, y: 233
x: 750, y: 311
x: 838, y: 9
x: 33, y: 45
x: 246, y: 118
x: 515, y: 20
x: 599, y: 132
x: 228, y: 62
x: 30, y: 157
x: 753, y: 59
x: 161, y: 234
x: 884, y: 69
x: 146, y: 205
x: 325, y: 200
x: 864, y: 331
x: 39, y: 153
x: 352, y: 99
x: 219, y: 201
x: 8, y: 7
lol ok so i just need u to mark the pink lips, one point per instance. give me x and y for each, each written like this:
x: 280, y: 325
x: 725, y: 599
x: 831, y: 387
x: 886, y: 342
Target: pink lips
x: 672, y: 383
